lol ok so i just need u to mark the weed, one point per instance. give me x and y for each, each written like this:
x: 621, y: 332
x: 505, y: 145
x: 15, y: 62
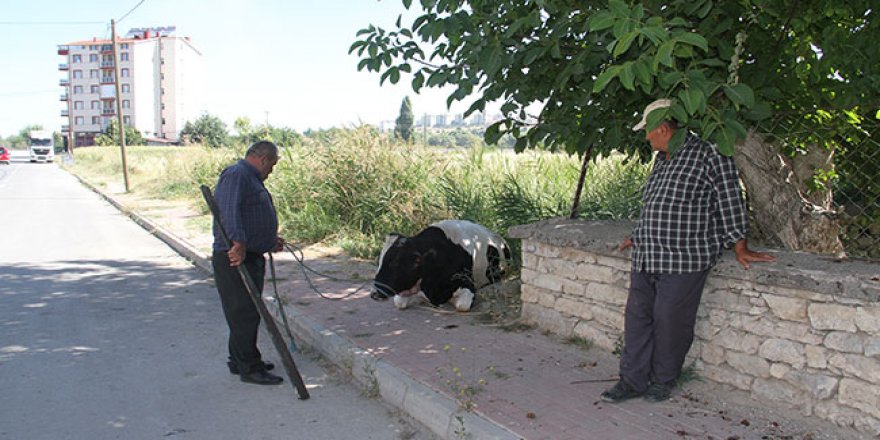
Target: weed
x: 688, y: 374
x: 579, y: 341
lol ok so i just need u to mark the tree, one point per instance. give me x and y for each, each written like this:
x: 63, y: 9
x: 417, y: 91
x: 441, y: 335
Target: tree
x: 739, y: 72
x: 404, y: 123
x: 111, y: 136
x: 207, y: 129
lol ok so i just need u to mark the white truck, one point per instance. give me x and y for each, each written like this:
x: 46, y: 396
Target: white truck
x: 41, y: 146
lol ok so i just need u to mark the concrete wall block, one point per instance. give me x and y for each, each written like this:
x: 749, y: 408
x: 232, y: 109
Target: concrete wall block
x: 789, y: 309
x: 808, y: 295
x: 867, y: 369
x: 846, y: 416
x: 609, y: 318
x: 739, y: 341
x: 571, y: 307
x: 559, y: 267
x: 606, y: 293
x: 725, y: 374
x: 712, y: 354
x: 783, y: 350
x: 832, y: 317
x: 779, y: 370
x: 548, y: 319
x: 819, y: 386
x: 704, y: 329
x: 727, y: 300
x: 845, y: 342
x: 601, y: 274
x: 546, y: 250
x: 601, y: 336
x: 782, y: 393
x: 717, y: 317
x: 528, y: 276
x: 868, y: 319
x: 770, y: 327
x: 623, y: 264
x: 578, y: 256
x: 556, y: 284
x: 530, y: 293
x: 817, y: 357
x: 531, y: 261
x: 872, y: 347
x: 748, y: 364
x: 861, y: 395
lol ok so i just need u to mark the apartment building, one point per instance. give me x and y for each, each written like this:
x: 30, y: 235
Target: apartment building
x: 159, y: 79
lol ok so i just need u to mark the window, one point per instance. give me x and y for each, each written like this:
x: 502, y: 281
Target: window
x: 126, y: 120
x: 93, y: 89
x: 79, y: 120
x: 126, y: 88
x: 96, y: 105
x: 77, y: 90
x: 76, y: 59
x: 163, y: 121
x: 124, y: 73
x: 93, y: 47
x: 93, y: 58
x: 93, y: 73
x: 77, y: 73
x: 123, y: 46
x: 126, y: 103
x: 96, y: 120
x: 77, y: 105
x: 123, y: 56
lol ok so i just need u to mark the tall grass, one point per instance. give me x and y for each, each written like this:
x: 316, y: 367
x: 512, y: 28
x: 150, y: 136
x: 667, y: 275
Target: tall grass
x: 351, y: 187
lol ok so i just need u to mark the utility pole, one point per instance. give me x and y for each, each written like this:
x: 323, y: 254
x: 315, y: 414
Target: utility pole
x: 119, y: 118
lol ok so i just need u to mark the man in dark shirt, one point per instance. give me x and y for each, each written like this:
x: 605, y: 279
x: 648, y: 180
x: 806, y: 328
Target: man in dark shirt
x: 692, y: 209
x: 248, y: 215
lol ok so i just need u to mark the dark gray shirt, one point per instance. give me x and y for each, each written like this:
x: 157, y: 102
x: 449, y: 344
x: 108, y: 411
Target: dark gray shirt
x: 246, y: 209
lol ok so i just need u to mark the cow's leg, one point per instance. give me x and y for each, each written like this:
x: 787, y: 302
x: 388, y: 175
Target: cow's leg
x: 463, y: 298
x: 402, y: 302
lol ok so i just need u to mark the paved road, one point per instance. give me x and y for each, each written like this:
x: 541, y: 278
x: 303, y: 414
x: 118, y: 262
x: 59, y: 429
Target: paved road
x: 105, y: 333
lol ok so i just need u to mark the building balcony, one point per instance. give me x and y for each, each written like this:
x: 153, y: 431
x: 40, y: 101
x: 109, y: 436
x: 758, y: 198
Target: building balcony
x: 65, y: 113
x: 63, y: 66
x: 107, y: 80
x: 107, y: 64
x: 65, y: 128
x: 63, y: 50
x: 107, y: 48
x: 64, y: 82
x: 64, y: 97
x: 108, y: 111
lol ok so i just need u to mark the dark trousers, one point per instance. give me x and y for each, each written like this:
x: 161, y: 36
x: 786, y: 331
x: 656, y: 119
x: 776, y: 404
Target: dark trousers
x: 659, y: 326
x: 242, y: 316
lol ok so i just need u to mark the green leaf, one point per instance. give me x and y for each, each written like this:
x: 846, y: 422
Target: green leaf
x: 600, y: 21
x: 356, y: 45
x: 740, y: 94
x: 619, y: 8
x: 521, y: 144
x: 407, y: 3
x: 656, y: 34
x: 643, y: 72
x: 676, y: 141
x: 656, y: 117
x: 605, y: 78
x: 692, y: 99
x: 737, y: 128
x: 664, y: 54
x: 624, y: 43
x: 725, y: 140
x: 493, y: 133
x: 694, y: 40
x: 627, y: 76
x: 678, y: 113
x: 418, y: 81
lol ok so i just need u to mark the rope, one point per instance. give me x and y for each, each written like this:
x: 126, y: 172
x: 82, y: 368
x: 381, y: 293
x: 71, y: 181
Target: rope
x: 298, y: 256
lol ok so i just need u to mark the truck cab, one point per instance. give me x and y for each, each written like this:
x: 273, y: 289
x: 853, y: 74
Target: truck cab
x: 41, y: 146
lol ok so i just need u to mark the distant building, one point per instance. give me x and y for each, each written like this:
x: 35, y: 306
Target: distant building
x: 159, y: 82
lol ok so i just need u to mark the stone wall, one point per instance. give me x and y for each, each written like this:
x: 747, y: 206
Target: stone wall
x: 803, y: 331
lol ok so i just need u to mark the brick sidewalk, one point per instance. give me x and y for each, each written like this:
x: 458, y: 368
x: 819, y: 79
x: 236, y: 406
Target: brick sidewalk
x: 533, y: 385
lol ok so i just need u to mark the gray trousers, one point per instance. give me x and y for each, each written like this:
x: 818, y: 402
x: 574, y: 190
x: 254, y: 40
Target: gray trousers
x: 659, y: 326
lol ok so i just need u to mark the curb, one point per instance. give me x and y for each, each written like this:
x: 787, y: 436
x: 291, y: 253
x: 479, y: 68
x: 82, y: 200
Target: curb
x: 377, y: 378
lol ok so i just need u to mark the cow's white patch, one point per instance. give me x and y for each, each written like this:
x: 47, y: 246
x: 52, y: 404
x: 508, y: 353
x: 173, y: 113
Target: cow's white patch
x: 475, y: 239
x: 463, y: 299
x: 402, y: 302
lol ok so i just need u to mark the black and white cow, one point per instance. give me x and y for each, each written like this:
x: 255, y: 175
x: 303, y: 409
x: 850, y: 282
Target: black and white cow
x: 448, y: 260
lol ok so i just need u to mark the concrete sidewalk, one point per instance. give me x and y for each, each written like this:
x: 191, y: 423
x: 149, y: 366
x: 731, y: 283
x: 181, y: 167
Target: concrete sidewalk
x: 467, y: 380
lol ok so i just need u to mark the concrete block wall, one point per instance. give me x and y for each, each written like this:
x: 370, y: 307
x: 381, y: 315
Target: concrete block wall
x: 802, y: 332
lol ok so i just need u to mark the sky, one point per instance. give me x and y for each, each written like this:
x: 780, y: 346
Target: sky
x: 285, y: 61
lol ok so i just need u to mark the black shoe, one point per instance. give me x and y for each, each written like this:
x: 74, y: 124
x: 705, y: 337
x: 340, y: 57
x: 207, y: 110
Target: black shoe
x: 658, y: 392
x: 261, y: 377
x: 619, y: 392
x: 233, y: 368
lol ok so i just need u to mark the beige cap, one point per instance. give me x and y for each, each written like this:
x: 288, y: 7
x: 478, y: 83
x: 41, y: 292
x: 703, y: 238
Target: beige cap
x: 660, y: 103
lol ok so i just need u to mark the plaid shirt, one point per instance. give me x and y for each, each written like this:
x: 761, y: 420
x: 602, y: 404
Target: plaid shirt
x: 691, y: 209
x: 246, y: 209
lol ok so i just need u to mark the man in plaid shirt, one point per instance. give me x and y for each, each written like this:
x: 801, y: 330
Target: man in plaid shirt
x: 692, y: 210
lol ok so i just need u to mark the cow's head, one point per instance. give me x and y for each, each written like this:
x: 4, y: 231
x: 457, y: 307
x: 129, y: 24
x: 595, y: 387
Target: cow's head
x: 400, y: 269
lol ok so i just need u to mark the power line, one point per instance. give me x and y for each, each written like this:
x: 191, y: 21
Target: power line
x: 40, y: 92
x: 132, y: 10
x: 49, y: 23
